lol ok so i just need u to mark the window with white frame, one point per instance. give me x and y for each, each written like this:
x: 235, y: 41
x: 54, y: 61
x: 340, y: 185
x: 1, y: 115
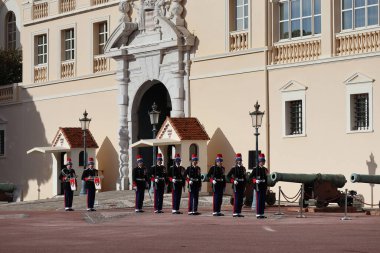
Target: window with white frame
x: 42, y: 53
x: 293, y: 109
x: 359, y: 103
x: 299, y: 18
x: 359, y: 13
x: 241, y: 15
x: 11, y: 30
x: 103, y: 36
x: 69, y: 44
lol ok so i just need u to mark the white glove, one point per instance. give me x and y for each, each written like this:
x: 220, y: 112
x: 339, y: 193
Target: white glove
x: 190, y: 182
x: 214, y: 181
x: 134, y: 188
x: 173, y: 180
x: 235, y: 182
x: 156, y: 180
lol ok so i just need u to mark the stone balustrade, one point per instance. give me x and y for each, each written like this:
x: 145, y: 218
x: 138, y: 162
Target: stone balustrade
x: 358, y: 42
x: 40, y: 10
x: 8, y: 93
x: 67, y: 69
x: 100, y: 63
x: 97, y: 2
x: 67, y: 5
x: 291, y: 52
x: 238, y: 41
x: 40, y: 73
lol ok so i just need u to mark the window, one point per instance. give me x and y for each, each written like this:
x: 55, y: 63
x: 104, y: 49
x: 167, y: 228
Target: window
x: 103, y: 33
x: 69, y: 44
x: 241, y: 14
x: 294, y: 115
x: 359, y: 103
x: 193, y: 150
x: 300, y: 18
x: 2, y: 142
x: 11, y: 30
x: 360, y: 112
x: 293, y: 109
x: 359, y: 13
x: 42, y: 53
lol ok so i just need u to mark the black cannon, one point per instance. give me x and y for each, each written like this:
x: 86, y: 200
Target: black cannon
x: 369, y: 179
x: 7, y: 191
x: 323, y: 188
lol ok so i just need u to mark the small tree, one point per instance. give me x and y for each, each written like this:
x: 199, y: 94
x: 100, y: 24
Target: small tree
x: 10, y: 66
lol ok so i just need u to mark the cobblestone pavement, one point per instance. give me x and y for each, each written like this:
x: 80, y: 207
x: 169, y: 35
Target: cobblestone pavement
x: 43, y: 226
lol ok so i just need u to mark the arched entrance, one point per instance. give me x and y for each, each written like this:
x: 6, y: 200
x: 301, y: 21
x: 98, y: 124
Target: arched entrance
x: 155, y: 94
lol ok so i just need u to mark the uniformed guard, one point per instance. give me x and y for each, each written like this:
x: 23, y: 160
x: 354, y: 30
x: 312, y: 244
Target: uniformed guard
x: 259, y: 180
x: 139, y: 182
x: 176, y: 177
x: 194, y: 180
x: 237, y: 176
x: 158, y: 177
x: 218, y: 180
x: 68, y: 173
x: 88, y: 176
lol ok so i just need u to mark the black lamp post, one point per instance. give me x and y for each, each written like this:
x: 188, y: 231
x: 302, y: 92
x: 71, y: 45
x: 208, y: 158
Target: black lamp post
x: 257, y: 119
x: 154, y: 116
x: 85, y: 124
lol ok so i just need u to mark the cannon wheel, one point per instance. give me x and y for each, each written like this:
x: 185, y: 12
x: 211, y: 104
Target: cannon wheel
x: 271, y: 198
x: 321, y: 204
x: 342, y: 202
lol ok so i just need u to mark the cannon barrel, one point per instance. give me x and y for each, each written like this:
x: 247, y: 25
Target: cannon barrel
x: 7, y: 187
x: 370, y: 179
x: 336, y: 179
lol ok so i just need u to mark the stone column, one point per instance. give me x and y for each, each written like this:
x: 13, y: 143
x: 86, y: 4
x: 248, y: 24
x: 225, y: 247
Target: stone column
x: 176, y: 92
x: 122, y: 81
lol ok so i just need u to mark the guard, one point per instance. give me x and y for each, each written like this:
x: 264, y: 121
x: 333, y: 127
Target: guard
x: 158, y: 177
x: 176, y: 177
x: 67, y: 175
x: 237, y: 176
x: 218, y: 180
x: 259, y: 180
x: 194, y: 180
x: 139, y: 182
x: 88, y: 176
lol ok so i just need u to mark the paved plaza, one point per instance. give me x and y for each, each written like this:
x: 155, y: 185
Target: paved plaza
x: 43, y: 226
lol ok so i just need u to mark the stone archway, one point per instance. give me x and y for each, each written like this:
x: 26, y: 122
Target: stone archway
x: 154, y: 49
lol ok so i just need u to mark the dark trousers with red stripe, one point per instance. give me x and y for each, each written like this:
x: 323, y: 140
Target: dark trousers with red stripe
x: 140, y: 192
x: 159, y: 189
x: 176, y: 196
x: 69, y: 194
x: 90, y: 186
x: 238, y: 197
x: 260, y: 201
x: 193, y: 198
x: 218, y: 196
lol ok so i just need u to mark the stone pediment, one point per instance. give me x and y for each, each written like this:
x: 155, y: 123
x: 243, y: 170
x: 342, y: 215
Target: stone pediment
x: 358, y: 78
x: 293, y: 86
x: 162, y: 24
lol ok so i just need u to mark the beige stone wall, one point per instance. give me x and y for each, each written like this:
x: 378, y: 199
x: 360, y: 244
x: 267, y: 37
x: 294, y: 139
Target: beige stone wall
x: 326, y: 148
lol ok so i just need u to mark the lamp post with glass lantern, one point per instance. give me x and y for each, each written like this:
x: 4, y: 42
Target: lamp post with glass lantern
x: 257, y: 119
x: 154, y: 116
x: 85, y: 124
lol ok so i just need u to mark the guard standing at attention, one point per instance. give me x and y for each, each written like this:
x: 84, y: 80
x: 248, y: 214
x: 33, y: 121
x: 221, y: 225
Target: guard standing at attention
x: 158, y: 177
x: 237, y: 176
x: 259, y: 180
x: 88, y: 176
x: 139, y: 183
x: 68, y: 173
x: 218, y: 180
x: 194, y: 180
x: 176, y: 177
